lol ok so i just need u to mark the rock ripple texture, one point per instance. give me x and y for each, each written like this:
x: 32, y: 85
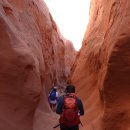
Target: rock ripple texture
x: 33, y: 56
x: 102, y: 69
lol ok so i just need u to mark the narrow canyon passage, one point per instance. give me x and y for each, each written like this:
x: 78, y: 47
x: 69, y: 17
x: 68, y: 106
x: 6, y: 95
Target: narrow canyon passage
x: 34, y: 55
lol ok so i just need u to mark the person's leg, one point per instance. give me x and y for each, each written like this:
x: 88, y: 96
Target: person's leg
x: 74, y: 128
x: 50, y: 105
x: 54, y: 107
x: 62, y: 127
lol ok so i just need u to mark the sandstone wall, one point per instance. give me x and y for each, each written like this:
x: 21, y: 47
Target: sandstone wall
x: 33, y: 57
x: 102, y: 71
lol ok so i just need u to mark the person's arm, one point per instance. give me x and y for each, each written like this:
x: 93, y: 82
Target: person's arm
x: 59, y: 105
x: 80, y: 106
x: 57, y: 96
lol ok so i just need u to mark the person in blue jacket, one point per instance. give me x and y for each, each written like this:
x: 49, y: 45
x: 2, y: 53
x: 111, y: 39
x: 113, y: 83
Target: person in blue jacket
x: 69, y: 90
x: 52, y: 98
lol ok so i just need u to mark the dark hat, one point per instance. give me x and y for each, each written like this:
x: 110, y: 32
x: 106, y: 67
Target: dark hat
x: 70, y: 89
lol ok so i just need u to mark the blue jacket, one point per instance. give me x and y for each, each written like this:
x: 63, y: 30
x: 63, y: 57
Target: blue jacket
x: 61, y: 103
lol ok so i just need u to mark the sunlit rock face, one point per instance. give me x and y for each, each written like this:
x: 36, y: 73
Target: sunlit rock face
x: 102, y: 71
x: 33, y: 56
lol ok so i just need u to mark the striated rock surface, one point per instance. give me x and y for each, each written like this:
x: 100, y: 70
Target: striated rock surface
x: 33, y: 56
x: 102, y: 69
x: 70, y: 55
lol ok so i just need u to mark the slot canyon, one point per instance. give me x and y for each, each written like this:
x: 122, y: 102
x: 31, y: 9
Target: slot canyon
x: 34, y: 55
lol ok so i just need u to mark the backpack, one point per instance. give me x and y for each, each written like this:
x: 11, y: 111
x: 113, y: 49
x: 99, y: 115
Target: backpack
x: 52, y: 95
x: 69, y: 116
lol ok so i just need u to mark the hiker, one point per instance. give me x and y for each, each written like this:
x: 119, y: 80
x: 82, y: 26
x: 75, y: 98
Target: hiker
x: 70, y: 108
x: 52, y: 98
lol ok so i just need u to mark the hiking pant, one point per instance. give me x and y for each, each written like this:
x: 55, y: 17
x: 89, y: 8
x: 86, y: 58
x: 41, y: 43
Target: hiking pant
x: 63, y: 127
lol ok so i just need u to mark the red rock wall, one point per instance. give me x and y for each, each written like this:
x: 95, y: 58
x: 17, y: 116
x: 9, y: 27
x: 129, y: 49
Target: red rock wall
x: 102, y: 71
x: 33, y: 57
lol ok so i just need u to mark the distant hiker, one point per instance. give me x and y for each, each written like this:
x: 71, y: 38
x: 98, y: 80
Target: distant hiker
x: 53, y: 96
x: 70, y: 108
